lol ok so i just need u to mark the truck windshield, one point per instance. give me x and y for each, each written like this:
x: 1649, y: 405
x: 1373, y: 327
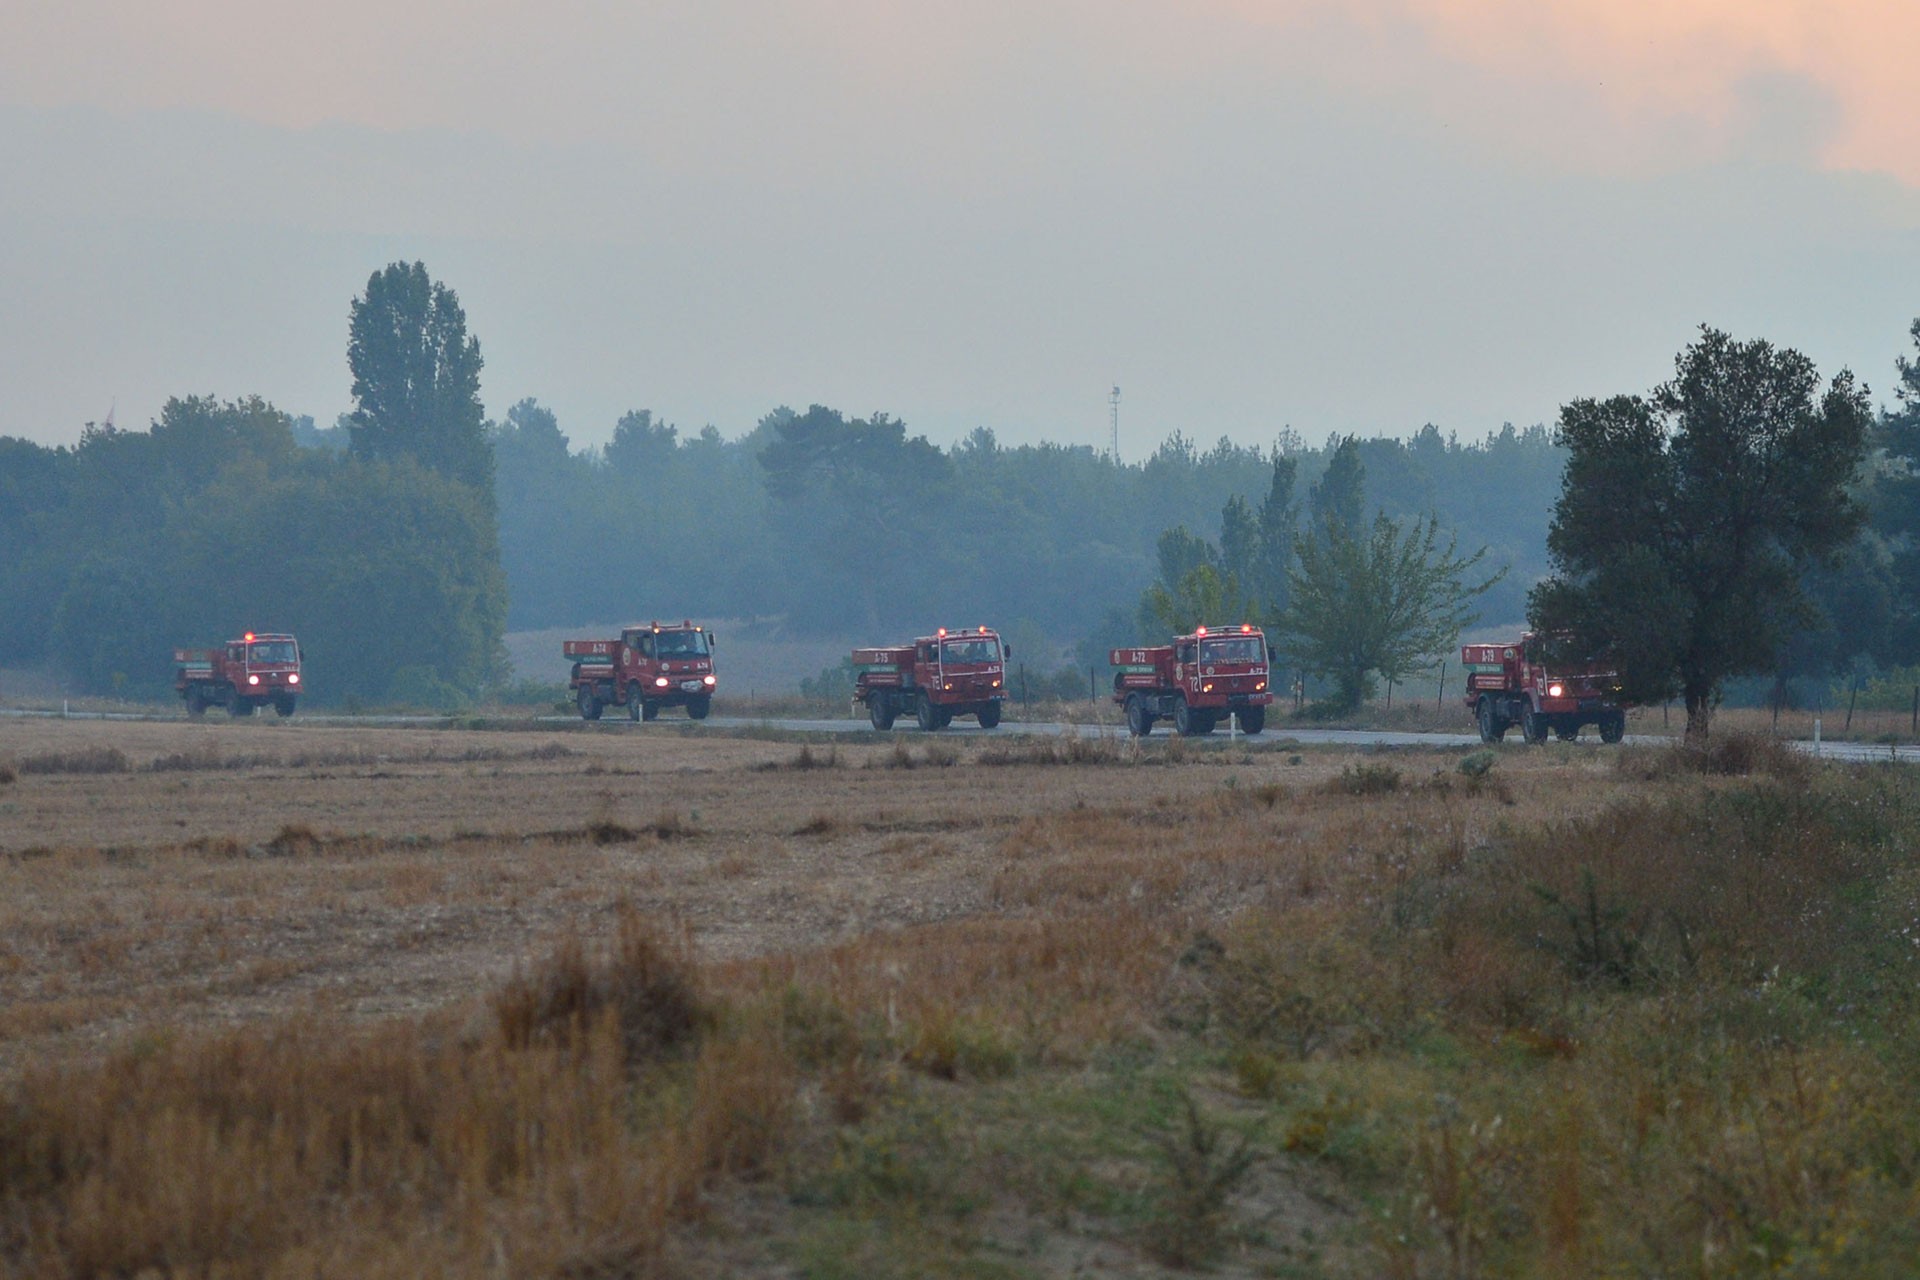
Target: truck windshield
x: 1236, y: 649
x: 680, y: 644
x: 265, y: 651
x: 970, y: 651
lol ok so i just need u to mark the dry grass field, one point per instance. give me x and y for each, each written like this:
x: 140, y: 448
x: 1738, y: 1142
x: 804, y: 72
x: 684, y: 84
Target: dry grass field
x: 293, y: 1000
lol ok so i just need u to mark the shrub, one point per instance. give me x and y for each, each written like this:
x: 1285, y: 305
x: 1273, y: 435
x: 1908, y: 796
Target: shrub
x: 1365, y: 779
x: 643, y: 985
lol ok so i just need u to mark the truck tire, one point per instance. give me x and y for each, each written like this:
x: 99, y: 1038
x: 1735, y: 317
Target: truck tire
x: 240, y: 706
x: 1567, y: 733
x: 636, y: 706
x: 589, y: 704
x: 699, y: 707
x: 1139, y: 719
x: 880, y: 711
x: 283, y: 707
x: 196, y: 705
x: 1253, y: 720
x: 1493, y: 726
x: 924, y: 713
x: 990, y: 715
x: 1186, y: 721
x: 649, y: 710
x: 1613, y: 727
x: 1533, y: 726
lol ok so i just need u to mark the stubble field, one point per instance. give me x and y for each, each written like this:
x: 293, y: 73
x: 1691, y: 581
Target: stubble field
x: 297, y: 1000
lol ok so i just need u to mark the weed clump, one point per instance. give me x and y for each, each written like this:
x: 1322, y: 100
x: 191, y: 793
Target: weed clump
x: 1732, y: 755
x: 1201, y: 1168
x: 83, y: 761
x: 639, y: 983
x: 1365, y: 779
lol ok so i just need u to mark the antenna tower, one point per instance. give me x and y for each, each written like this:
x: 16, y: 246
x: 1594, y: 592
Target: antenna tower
x: 1113, y: 422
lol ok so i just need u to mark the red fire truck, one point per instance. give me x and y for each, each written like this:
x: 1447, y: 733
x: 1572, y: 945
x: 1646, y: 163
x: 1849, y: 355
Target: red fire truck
x: 937, y: 677
x: 1198, y: 681
x: 242, y: 675
x: 652, y: 665
x: 1544, y: 685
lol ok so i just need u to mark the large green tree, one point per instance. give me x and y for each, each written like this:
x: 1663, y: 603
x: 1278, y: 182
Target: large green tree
x: 1390, y: 600
x: 1687, y: 519
x: 416, y: 377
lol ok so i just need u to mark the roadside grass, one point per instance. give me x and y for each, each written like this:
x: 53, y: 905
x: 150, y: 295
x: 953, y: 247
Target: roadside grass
x: 1654, y: 1018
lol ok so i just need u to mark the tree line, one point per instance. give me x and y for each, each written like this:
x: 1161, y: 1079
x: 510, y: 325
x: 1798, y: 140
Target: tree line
x: 1739, y: 520
x: 402, y: 542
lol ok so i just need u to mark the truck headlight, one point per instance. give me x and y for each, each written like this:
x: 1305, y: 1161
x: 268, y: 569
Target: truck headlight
x: 1556, y: 691
x: 253, y: 679
x: 659, y: 682
x: 708, y: 680
x: 294, y: 678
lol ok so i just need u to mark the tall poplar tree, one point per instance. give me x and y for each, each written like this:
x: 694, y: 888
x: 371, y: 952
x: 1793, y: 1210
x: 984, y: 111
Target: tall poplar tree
x: 416, y: 377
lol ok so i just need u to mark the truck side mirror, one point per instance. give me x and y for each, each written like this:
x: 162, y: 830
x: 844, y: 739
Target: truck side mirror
x: 712, y: 640
x: 1007, y: 650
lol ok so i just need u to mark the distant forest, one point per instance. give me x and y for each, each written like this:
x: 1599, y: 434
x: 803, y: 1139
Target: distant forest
x: 864, y: 528
x: 403, y: 541
x: 131, y: 542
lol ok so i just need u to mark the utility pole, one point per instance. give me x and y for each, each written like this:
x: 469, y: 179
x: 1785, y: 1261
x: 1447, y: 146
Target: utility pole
x: 1113, y: 422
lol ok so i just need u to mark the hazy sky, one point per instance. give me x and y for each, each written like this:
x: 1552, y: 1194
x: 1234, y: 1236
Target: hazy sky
x: 1355, y: 216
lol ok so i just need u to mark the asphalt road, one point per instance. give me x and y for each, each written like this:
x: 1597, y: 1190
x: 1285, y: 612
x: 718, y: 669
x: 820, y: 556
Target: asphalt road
x: 1849, y: 752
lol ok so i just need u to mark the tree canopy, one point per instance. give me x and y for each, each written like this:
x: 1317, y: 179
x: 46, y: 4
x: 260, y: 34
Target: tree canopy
x: 416, y: 377
x: 1687, y: 519
x: 1390, y: 601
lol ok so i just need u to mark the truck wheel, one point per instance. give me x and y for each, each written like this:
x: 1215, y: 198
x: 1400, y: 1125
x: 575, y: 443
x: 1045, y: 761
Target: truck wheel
x: 1533, y: 726
x: 880, y: 711
x: 1492, y: 727
x: 649, y: 710
x: 636, y: 710
x: 1139, y: 719
x: 283, y: 707
x: 989, y: 715
x: 588, y: 704
x: 1253, y: 720
x: 1183, y: 716
x: 1568, y: 733
x: 1613, y: 727
x: 699, y: 707
x: 240, y: 706
x: 196, y: 705
x: 944, y: 718
x: 923, y: 712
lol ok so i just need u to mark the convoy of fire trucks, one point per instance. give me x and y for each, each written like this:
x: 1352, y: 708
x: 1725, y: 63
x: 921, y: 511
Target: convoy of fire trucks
x: 1542, y: 684
x: 1196, y: 682
x: 243, y: 675
x: 937, y: 677
x: 648, y: 667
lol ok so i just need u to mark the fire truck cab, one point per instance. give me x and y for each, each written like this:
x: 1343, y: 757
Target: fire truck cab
x: 1197, y: 681
x: 651, y: 665
x: 1546, y: 685
x: 937, y: 677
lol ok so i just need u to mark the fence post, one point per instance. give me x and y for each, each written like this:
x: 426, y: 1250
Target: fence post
x: 1025, y: 702
x: 1440, y: 698
x: 1916, y: 711
x: 1853, y: 691
x: 1389, y: 693
x: 1093, y: 689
